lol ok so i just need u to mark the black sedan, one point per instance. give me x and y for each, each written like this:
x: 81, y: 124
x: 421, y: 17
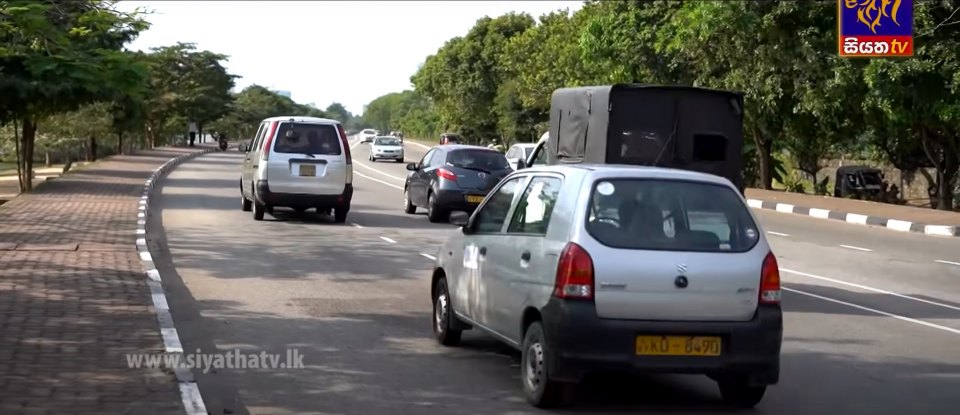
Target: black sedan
x: 452, y: 177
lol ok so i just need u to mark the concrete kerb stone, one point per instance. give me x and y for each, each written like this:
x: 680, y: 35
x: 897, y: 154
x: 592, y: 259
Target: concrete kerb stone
x: 858, y: 219
x: 189, y: 392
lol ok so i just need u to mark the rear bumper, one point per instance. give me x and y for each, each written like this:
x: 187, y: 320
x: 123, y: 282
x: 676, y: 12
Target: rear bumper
x: 457, y: 199
x: 388, y: 156
x: 303, y: 200
x: 582, y: 342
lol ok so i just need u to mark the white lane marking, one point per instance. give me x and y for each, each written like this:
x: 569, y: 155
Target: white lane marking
x: 356, y: 225
x: 947, y: 262
x: 858, y: 219
x: 873, y: 310
x: 820, y: 213
x: 864, y: 287
x: 784, y: 208
x: 428, y: 256
x: 378, y: 180
x: 388, y: 239
x: 778, y: 233
x: 354, y: 146
x: 426, y: 147
x: 857, y: 248
x: 899, y: 225
x: 378, y: 171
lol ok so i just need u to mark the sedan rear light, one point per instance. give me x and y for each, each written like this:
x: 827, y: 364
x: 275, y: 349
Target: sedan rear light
x: 770, y: 280
x: 574, y: 278
x: 345, y: 142
x: 446, y: 174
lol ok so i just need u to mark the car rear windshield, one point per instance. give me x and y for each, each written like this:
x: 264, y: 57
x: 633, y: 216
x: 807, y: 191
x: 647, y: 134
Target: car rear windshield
x: 388, y: 141
x: 487, y: 160
x: 304, y: 138
x: 672, y: 215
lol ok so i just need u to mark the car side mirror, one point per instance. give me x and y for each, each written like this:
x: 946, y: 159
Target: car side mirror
x: 521, y: 164
x: 460, y: 218
x: 412, y: 166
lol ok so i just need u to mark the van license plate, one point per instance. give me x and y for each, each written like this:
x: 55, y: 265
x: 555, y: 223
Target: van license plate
x: 678, y: 346
x: 308, y: 170
x: 474, y: 199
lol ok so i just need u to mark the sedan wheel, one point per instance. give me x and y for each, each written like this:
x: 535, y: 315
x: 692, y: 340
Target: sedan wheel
x: 408, y: 205
x: 434, y: 213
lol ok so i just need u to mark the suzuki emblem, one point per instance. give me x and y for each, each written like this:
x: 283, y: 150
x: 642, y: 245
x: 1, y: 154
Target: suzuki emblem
x: 482, y: 175
x: 681, y: 268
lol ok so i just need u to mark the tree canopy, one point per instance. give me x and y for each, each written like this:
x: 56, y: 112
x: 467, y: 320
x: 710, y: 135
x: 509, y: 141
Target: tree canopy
x: 804, y: 103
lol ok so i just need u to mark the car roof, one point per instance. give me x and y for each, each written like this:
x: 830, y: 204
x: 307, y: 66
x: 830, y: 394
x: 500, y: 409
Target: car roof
x: 388, y: 136
x: 302, y: 119
x: 525, y: 145
x: 451, y: 147
x: 630, y: 171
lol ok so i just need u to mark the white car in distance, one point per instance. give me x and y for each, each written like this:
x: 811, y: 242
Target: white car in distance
x: 386, y: 147
x: 367, y: 135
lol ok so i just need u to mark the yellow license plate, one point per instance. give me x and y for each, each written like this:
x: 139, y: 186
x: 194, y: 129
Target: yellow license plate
x: 308, y: 170
x: 474, y: 199
x: 678, y: 346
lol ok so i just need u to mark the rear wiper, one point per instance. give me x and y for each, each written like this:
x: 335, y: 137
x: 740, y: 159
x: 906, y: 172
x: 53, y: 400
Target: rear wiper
x: 472, y: 168
x: 310, y: 155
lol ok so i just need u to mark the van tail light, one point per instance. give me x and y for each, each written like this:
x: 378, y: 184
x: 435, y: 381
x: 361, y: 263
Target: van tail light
x: 770, y: 280
x: 446, y: 174
x: 269, y: 141
x: 574, y: 274
x: 345, y: 142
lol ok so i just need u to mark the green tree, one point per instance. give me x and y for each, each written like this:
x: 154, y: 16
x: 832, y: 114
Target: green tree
x: 59, y: 56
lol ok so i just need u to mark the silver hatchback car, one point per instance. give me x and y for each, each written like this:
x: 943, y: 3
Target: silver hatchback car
x: 605, y: 268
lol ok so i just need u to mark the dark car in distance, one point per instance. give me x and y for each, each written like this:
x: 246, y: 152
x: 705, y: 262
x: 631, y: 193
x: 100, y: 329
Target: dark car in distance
x: 452, y: 177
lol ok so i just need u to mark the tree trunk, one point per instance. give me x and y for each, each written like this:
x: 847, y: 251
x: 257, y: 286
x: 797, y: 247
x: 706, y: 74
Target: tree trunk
x: 200, y: 132
x: 764, y: 160
x: 93, y: 149
x: 947, y: 172
x: 27, y: 138
x: 120, y: 143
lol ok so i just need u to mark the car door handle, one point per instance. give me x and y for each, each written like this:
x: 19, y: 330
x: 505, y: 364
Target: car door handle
x: 525, y: 256
x: 483, y: 251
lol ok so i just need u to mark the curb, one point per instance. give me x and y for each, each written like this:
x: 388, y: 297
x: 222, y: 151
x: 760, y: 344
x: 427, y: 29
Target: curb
x: 858, y: 219
x: 189, y: 392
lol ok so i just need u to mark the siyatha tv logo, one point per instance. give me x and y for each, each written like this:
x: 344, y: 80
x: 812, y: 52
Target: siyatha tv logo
x: 875, y: 28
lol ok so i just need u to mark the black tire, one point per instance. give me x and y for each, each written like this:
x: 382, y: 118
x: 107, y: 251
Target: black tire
x: 340, y: 214
x: 434, y: 213
x: 399, y: 160
x: 539, y: 390
x: 443, y: 317
x: 738, y: 393
x: 408, y: 206
x: 245, y: 204
x: 258, y: 210
x: 371, y: 158
x: 300, y: 209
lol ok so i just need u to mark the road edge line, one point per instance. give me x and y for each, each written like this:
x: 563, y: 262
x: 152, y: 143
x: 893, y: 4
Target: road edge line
x: 858, y: 219
x: 189, y: 390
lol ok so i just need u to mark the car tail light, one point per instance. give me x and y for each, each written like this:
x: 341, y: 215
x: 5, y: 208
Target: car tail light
x: 770, y: 280
x: 446, y: 174
x: 345, y: 142
x: 269, y: 141
x: 574, y: 274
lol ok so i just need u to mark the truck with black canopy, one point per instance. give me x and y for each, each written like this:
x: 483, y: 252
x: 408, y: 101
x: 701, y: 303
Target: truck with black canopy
x: 649, y: 125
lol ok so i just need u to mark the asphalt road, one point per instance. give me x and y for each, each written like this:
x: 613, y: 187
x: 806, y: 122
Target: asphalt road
x: 872, y: 319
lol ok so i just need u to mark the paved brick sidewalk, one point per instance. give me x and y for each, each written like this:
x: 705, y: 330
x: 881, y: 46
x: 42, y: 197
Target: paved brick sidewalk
x: 896, y: 217
x: 74, y: 298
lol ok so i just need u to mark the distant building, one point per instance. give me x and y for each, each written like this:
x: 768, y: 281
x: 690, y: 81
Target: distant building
x: 283, y: 93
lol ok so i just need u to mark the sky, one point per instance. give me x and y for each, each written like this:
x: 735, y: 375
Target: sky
x: 322, y: 51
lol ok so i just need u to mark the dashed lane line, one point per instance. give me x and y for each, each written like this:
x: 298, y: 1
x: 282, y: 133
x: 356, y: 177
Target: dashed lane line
x: 428, y: 256
x: 947, y: 262
x: 857, y: 248
x: 388, y: 239
x: 378, y: 180
x: 868, y: 288
x: 778, y: 233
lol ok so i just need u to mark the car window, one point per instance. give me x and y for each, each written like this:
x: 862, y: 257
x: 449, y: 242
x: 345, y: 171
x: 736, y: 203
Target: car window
x: 532, y: 215
x: 670, y: 215
x: 437, y: 159
x: 424, y: 162
x: 387, y: 141
x: 307, y: 138
x: 486, y: 160
x: 527, y: 152
x: 511, y: 152
x: 541, y: 156
x: 258, y: 141
x: 493, y: 214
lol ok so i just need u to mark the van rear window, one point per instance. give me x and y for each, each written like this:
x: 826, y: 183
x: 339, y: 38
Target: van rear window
x: 671, y: 215
x: 306, y: 138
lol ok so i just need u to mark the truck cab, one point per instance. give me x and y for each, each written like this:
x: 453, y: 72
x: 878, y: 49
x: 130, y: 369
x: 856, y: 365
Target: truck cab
x: 679, y: 127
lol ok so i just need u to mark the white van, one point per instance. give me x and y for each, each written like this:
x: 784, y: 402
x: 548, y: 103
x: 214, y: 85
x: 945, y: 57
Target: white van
x: 300, y: 163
